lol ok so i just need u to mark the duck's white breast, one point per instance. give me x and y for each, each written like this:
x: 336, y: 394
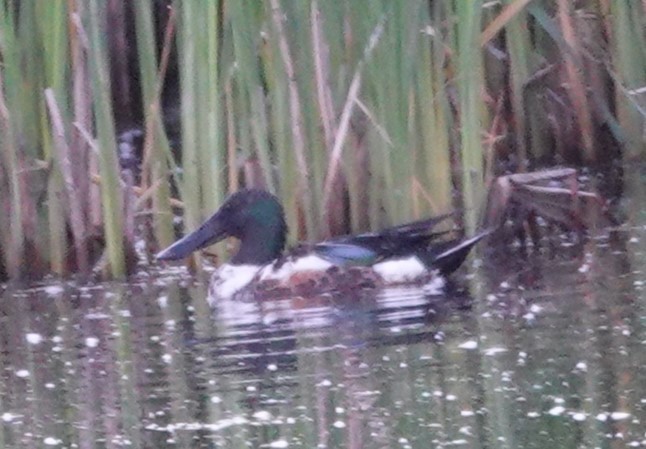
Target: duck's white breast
x: 294, y: 266
x: 230, y: 279
x: 397, y: 271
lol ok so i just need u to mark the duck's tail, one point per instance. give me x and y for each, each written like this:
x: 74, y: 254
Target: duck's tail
x: 448, y: 256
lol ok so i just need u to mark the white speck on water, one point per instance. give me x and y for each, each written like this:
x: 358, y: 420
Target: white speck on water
x: 22, y: 373
x: 471, y: 344
x: 603, y: 417
x: 8, y: 417
x: 491, y: 297
x: 278, y: 444
x: 50, y: 386
x: 91, y: 342
x: 402, y: 440
x: 535, y: 308
x: 57, y: 339
x: 53, y: 290
x: 339, y: 424
x: 216, y: 399
x: 556, y: 411
x: 581, y: 366
x: 339, y: 410
x: 272, y: 367
x: 251, y: 388
x: 495, y: 350
x: 34, y: 338
x: 618, y: 416
x: 51, y: 441
x: 465, y: 430
x: 559, y: 401
x: 584, y: 268
x: 504, y: 285
x: 167, y: 358
x: 466, y: 413
x: 578, y: 416
x: 162, y: 301
x: 533, y: 414
x: 325, y: 383
x: 262, y: 415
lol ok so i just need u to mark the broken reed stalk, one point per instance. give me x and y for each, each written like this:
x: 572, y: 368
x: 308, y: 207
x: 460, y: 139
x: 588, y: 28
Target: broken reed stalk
x: 83, y: 160
x: 344, y: 122
x: 575, y: 80
x: 77, y: 220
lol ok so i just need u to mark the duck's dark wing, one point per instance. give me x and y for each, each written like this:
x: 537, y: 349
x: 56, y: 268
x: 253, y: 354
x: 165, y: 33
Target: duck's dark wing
x: 397, y: 241
x: 416, y: 238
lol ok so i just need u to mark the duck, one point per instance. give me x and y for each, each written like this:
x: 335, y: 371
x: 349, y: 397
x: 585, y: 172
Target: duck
x: 411, y: 254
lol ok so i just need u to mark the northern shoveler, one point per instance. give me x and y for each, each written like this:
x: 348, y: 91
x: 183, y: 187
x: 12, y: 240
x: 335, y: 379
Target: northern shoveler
x: 407, y: 254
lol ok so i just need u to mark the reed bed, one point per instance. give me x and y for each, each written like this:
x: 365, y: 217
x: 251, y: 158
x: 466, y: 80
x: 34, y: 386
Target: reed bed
x: 357, y: 114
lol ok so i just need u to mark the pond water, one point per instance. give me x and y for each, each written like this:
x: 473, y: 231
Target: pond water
x: 545, y: 350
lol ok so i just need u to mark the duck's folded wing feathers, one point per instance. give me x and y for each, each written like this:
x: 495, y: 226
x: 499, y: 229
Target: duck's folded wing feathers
x: 344, y: 254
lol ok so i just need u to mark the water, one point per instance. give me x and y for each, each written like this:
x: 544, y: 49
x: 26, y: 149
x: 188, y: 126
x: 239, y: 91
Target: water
x: 539, y: 352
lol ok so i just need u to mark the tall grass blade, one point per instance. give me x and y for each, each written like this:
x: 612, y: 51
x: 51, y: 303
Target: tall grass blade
x: 14, y: 242
x: 111, y: 191
x: 295, y: 110
x: 470, y: 88
x: 156, y: 145
x: 629, y: 60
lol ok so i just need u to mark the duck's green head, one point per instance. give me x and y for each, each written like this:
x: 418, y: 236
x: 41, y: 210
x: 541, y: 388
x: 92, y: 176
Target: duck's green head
x: 253, y: 216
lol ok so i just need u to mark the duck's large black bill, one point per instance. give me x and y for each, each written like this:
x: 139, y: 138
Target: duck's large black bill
x: 210, y: 232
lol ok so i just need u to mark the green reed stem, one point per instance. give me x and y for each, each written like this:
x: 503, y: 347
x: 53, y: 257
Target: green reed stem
x: 629, y: 57
x: 470, y: 87
x: 111, y: 192
x: 156, y: 145
x: 9, y: 101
